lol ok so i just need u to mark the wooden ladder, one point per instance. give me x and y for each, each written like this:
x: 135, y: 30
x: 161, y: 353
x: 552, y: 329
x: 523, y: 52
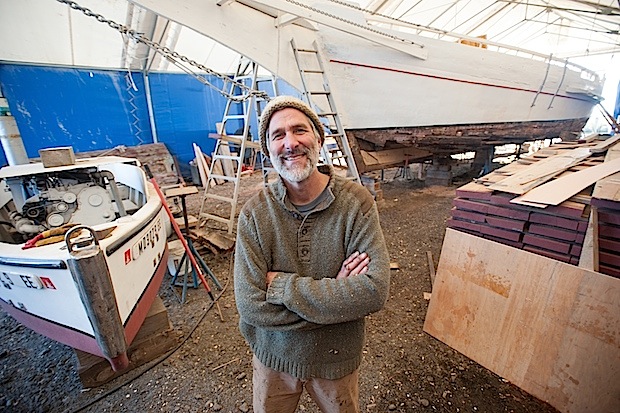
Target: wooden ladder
x: 336, y: 150
x: 230, y: 151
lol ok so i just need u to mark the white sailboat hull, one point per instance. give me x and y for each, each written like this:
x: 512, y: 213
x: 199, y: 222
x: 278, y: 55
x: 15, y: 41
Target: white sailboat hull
x: 381, y: 79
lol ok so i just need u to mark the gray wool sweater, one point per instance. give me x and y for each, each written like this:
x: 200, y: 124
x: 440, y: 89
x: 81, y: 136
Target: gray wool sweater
x: 308, y: 323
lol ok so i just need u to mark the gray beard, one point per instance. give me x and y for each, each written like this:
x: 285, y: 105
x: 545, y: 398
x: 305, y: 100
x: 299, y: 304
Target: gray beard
x: 296, y: 173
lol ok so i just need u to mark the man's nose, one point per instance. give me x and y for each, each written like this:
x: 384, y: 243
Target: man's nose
x: 290, y: 140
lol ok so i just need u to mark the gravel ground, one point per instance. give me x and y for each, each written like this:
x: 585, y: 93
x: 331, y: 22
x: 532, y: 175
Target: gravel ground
x: 404, y: 369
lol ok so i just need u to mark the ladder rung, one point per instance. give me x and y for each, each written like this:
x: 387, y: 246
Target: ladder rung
x: 233, y: 117
x: 231, y: 157
x: 215, y: 217
x: 319, y: 92
x: 327, y: 114
x: 315, y: 71
x: 333, y: 135
x: 223, y: 177
x: 307, y: 50
x: 238, y: 141
x: 219, y: 197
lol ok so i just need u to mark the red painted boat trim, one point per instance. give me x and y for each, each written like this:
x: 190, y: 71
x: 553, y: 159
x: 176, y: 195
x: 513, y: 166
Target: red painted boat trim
x: 138, y: 314
x: 57, y: 332
x: 451, y: 79
x: 86, y: 342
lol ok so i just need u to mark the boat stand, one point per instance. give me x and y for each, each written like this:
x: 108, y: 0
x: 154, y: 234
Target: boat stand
x: 182, y: 279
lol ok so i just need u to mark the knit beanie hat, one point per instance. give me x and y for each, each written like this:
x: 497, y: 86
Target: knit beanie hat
x: 283, y: 102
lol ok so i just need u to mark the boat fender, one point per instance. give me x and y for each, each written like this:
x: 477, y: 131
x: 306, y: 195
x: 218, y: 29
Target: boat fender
x: 91, y: 275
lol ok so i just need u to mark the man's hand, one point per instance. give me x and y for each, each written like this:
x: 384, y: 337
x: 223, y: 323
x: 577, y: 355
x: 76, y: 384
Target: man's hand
x: 356, y: 264
x: 270, y: 276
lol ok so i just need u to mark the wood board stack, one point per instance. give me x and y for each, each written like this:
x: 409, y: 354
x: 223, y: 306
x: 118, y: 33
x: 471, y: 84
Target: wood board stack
x: 606, y: 212
x: 495, y: 207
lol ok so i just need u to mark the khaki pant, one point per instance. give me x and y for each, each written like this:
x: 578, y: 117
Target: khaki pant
x: 276, y: 392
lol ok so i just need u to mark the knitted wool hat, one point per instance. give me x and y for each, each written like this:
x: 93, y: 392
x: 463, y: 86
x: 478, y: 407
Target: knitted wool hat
x: 283, y: 102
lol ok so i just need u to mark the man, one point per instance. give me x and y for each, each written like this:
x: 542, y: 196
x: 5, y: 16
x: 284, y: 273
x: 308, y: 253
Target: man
x: 310, y: 264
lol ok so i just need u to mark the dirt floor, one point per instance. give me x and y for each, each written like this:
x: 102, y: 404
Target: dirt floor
x: 404, y: 369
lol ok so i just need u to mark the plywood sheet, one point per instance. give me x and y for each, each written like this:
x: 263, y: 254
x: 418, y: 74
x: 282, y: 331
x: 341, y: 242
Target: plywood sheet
x: 559, y: 190
x: 541, y: 171
x: 551, y: 328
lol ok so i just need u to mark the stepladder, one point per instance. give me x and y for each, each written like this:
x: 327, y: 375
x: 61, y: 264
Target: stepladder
x: 236, y: 149
x: 336, y: 150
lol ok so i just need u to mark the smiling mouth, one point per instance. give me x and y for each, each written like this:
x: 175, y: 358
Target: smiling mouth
x: 293, y: 157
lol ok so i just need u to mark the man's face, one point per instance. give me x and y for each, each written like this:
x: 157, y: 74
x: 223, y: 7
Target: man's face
x: 293, y: 146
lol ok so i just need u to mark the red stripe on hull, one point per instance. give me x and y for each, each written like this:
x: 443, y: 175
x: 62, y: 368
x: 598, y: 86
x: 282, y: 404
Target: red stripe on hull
x: 137, y: 316
x: 451, y: 79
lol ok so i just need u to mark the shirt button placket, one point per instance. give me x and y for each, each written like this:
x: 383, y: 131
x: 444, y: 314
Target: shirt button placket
x: 304, y: 245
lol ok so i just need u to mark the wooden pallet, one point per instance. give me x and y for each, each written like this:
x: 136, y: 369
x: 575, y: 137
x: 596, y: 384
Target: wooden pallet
x: 155, y: 338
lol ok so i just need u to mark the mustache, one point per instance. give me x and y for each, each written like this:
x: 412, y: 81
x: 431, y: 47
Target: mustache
x: 296, y: 151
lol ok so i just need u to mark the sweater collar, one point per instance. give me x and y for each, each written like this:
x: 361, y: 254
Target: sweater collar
x: 279, y: 190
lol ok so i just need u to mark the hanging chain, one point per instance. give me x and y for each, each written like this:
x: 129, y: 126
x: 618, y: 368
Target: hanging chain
x: 352, y: 23
x: 173, y: 56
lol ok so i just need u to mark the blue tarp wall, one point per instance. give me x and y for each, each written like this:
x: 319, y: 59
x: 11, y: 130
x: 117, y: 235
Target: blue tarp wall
x: 100, y: 109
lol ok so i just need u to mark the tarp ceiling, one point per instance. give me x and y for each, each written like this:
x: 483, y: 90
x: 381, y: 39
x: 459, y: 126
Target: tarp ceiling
x: 566, y: 28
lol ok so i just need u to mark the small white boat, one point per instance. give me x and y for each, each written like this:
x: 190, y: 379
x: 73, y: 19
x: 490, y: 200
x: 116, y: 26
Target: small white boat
x: 92, y: 291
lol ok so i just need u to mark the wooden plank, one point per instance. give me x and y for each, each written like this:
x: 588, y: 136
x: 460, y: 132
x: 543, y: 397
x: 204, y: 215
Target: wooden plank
x: 235, y: 140
x: 192, y: 221
x: 389, y: 157
x: 155, y: 338
x: 550, y: 328
x: 156, y: 155
x: 468, y: 215
x: 605, y: 145
x: 561, y: 189
x: 431, y: 267
x: 201, y: 164
x: 181, y: 191
x: 474, y: 190
x: 540, y: 172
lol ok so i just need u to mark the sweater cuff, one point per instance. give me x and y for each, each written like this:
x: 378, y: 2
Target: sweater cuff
x: 275, y: 292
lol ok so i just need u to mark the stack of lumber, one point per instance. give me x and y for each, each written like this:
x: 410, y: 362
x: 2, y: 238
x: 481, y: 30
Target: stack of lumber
x: 606, y: 206
x: 544, y: 203
x: 156, y: 155
x: 546, y: 325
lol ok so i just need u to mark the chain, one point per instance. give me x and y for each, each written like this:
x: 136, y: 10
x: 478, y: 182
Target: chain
x: 361, y: 26
x: 385, y: 16
x: 173, y: 56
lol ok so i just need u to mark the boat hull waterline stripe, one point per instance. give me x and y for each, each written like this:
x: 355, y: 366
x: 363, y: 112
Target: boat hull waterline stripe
x: 458, y: 80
